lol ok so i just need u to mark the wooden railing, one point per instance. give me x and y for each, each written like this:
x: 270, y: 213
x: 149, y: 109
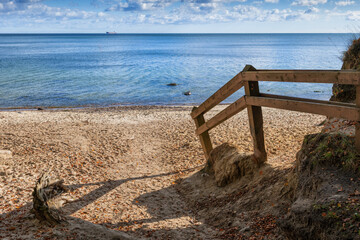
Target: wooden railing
x: 254, y: 100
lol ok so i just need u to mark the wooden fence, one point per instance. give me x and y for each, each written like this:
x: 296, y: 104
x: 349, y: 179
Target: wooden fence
x: 253, y: 100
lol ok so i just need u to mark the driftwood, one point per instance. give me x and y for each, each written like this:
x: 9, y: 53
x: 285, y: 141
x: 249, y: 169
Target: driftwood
x: 46, y: 199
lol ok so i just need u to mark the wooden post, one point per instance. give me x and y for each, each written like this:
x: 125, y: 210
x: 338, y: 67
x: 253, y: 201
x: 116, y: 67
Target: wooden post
x: 255, y: 119
x: 357, y: 125
x: 204, y: 137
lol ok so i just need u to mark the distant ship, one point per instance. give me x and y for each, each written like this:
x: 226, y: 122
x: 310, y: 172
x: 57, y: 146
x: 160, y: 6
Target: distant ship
x: 111, y: 32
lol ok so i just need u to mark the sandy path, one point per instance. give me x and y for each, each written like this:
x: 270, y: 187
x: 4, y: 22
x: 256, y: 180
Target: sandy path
x: 122, y: 165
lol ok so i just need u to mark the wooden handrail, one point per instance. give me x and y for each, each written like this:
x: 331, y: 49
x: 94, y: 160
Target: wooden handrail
x: 254, y: 100
x: 225, y: 114
x: 331, y: 110
x: 224, y: 92
x: 307, y: 100
x: 310, y: 76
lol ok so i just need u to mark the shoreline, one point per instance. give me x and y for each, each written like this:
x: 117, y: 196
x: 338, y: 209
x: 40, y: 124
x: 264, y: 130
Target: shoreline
x: 112, y: 106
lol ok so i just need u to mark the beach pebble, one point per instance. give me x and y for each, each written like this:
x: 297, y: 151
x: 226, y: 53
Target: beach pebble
x: 245, y: 229
x: 187, y: 93
x: 5, y: 155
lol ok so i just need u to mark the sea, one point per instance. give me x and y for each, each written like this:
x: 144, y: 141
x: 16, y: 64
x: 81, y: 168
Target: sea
x: 79, y: 70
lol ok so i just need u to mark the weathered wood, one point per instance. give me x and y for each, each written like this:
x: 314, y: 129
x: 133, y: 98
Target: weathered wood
x: 254, y: 100
x: 222, y: 116
x: 313, y: 76
x: 220, y: 95
x: 331, y: 110
x: 357, y: 124
x: 307, y: 100
x: 255, y: 119
x: 46, y: 201
x: 204, y: 137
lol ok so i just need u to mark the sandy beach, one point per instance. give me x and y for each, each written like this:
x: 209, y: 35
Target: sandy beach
x: 122, y: 165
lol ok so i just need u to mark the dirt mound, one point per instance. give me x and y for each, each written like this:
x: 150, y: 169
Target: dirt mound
x: 236, y: 196
x: 325, y: 203
x: 317, y: 199
x: 352, y: 56
x: 351, y: 60
x: 227, y: 164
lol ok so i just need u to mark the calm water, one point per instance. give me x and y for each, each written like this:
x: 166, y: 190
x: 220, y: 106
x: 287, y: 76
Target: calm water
x: 78, y: 69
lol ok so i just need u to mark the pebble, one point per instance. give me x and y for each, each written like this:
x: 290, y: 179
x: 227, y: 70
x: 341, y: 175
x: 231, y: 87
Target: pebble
x: 5, y: 155
x: 245, y: 229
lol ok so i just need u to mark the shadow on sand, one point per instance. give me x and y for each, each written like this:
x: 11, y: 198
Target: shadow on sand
x: 195, y: 206
x: 21, y: 222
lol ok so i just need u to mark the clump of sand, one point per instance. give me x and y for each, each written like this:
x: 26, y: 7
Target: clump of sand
x: 227, y: 164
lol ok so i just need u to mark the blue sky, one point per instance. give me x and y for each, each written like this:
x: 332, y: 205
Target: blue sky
x: 179, y: 16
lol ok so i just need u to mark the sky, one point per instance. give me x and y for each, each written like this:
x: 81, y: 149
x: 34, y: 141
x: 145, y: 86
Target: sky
x: 180, y: 16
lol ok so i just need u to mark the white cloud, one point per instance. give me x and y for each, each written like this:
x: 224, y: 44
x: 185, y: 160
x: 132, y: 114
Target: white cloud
x: 344, y: 3
x: 312, y: 10
x: 203, y: 7
x: 308, y: 2
x: 154, y: 12
x: 147, y: 5
x: 139, y: 5
x: 16, y: 5
x: 353, y: 15
x: 272, y: 1
x: 34, y: 10
x: 101, y: 14
x: 238, y: 13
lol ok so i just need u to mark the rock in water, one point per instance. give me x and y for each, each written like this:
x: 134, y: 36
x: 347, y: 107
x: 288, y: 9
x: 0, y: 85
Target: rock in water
x: 187, y: 93
x: 46, y: 199
x: 227, y: 164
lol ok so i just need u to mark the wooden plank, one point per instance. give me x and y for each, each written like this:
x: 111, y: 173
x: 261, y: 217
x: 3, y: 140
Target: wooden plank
x: 331, y: 110
x: 314, y: 76
x: 255, y: 120
x: 204, y: 137
x: 307, y: 100
x: 309, y: 76
x: 357, y: 124
x: 222, y: 116
x: 220, y: 95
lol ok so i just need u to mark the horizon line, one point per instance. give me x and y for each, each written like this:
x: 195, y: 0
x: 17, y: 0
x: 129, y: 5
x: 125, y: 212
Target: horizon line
x: 186, y: 33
